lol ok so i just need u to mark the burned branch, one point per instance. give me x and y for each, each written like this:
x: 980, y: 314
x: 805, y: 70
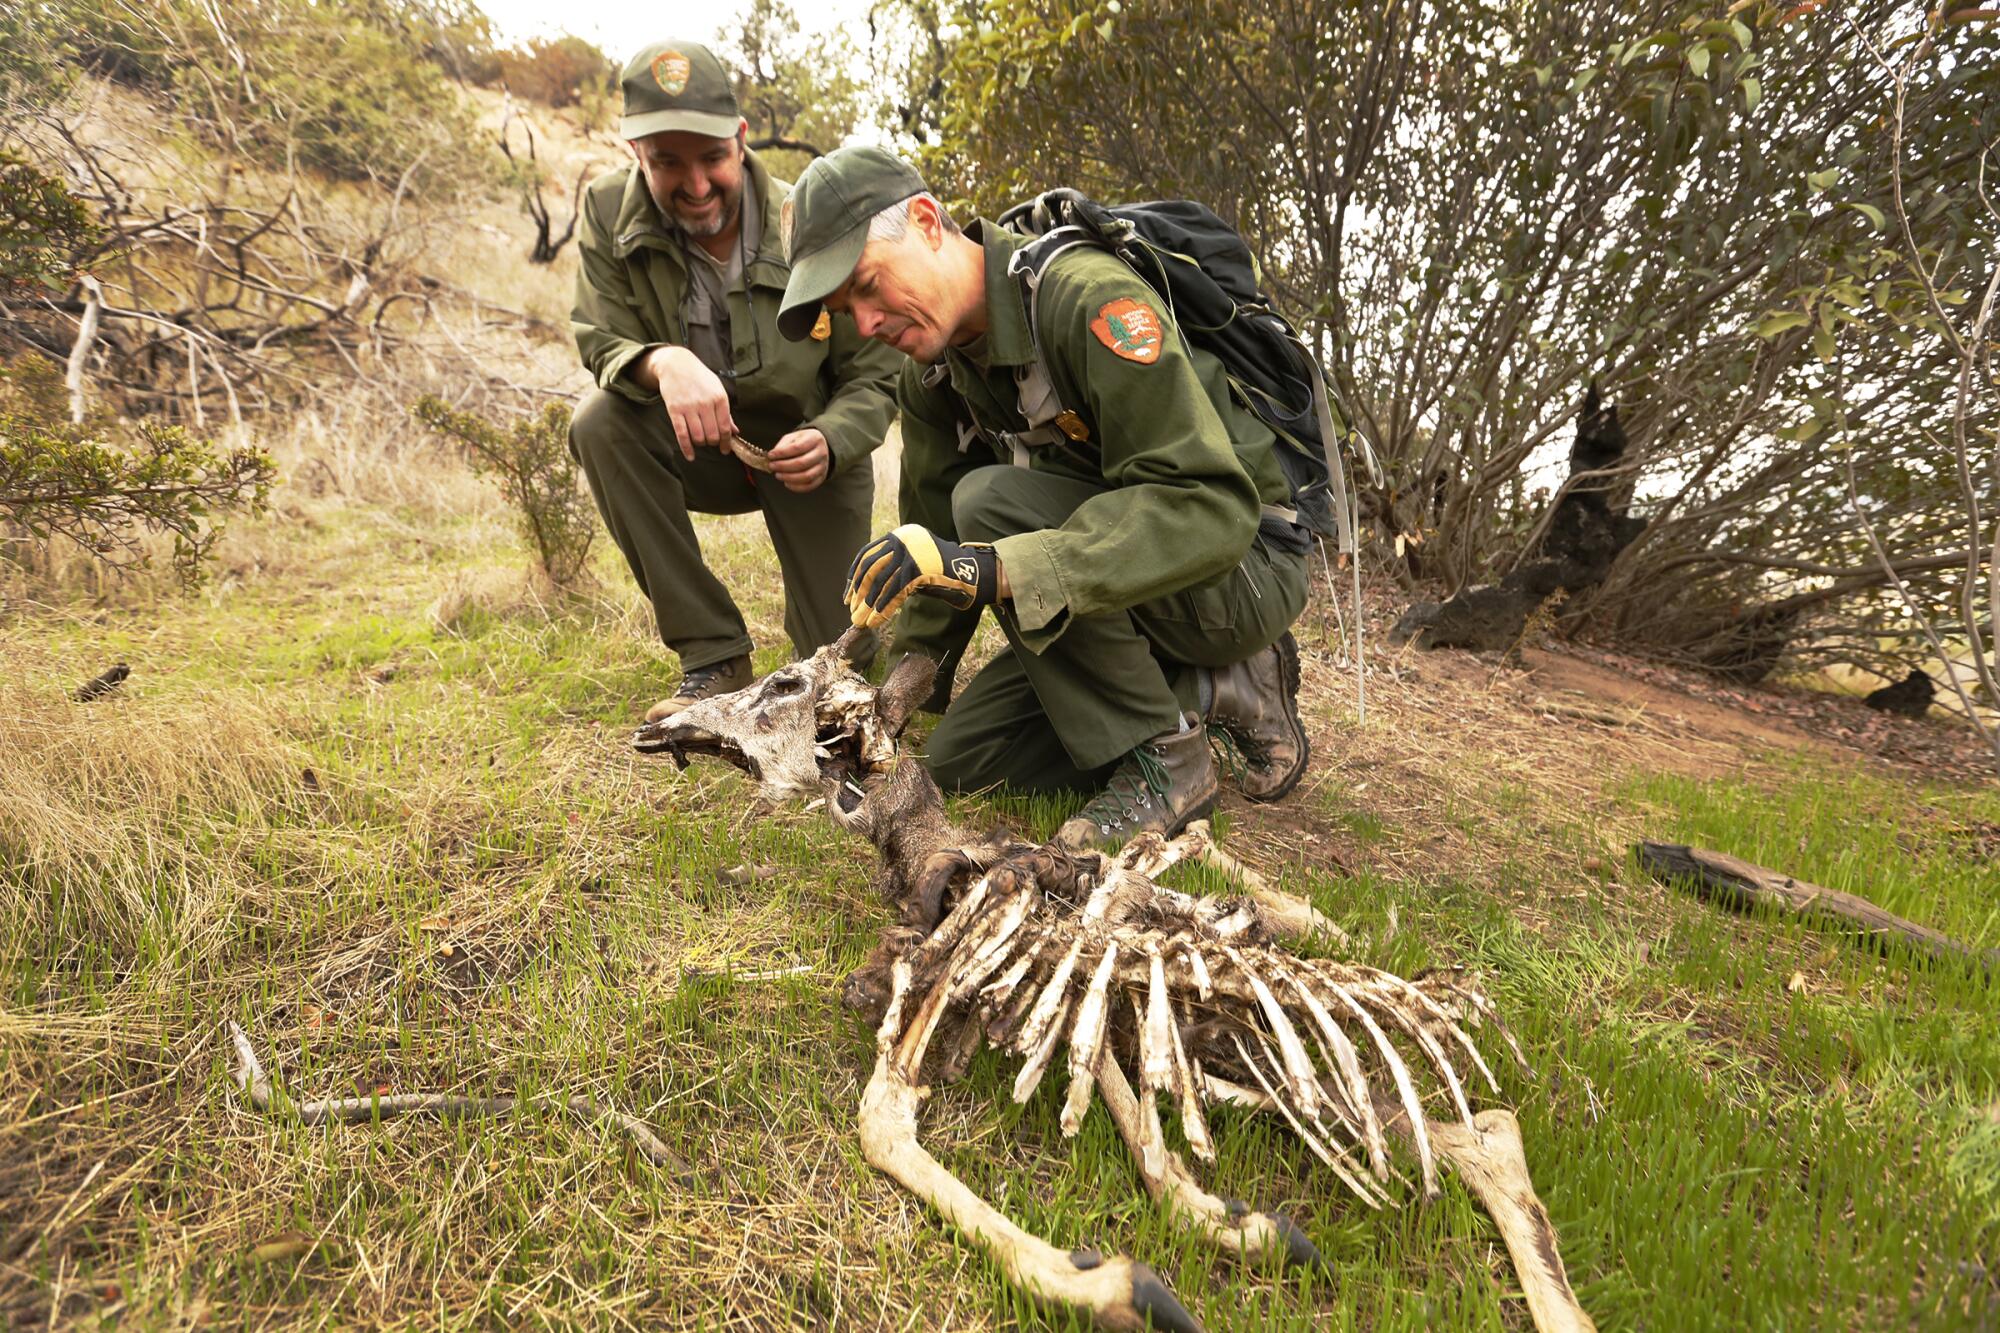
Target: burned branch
x: 529, y: 176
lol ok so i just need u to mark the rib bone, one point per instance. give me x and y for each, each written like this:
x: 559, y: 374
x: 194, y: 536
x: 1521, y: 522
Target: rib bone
x: 1086, y: 1037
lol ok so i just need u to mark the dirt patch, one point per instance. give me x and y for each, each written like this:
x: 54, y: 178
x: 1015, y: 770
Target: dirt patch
x: 1939, y: 747
x: 1468, y: 766
x: 1656, y: 708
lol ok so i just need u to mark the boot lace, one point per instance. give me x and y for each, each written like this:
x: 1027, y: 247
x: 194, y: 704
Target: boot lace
x: 1140, y: 781
x: 697, y: 683
x: 1233, y: 755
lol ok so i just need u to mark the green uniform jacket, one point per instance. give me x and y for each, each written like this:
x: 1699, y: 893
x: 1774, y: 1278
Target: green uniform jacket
x: 630, y: 294
x: 1189, y: 468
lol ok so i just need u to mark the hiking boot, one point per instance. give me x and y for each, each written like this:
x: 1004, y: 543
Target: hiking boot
x: 1161, y: 787
x: 704, y: 682
x: 1254, y: 714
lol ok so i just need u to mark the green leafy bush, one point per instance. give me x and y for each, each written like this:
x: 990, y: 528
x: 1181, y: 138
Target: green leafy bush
x: 532, y: 463
x: 69, y: 482
x: 358, y: 89
x: 349, y: 99
x: 43, y: 227
x: 559, y: 72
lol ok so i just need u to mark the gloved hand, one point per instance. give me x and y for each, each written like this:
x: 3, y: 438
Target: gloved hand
x: 914, y: 559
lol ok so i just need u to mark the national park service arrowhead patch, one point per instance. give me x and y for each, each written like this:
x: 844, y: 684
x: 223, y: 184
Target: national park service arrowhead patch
x: 822, y: 327
x: 670, y: 71
x: 1129, y: 328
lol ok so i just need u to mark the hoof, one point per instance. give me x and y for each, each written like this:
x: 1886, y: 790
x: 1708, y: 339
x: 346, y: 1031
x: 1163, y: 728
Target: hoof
x: 1157, y: 1306
x: 1300, y: 1252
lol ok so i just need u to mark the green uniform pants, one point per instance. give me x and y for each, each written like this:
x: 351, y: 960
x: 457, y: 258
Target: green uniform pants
x: 646, y: 490
x: 1060, y: 719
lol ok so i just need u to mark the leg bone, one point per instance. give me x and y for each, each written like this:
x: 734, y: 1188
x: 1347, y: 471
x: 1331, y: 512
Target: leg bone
x: 1118, y: 1293
x: 1491, y: 1162
x: 1489, y: 1159
x: 1290, y: 915
x: 1229, y: 1226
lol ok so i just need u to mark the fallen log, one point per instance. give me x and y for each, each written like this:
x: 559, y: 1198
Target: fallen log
x: 1744, y: 886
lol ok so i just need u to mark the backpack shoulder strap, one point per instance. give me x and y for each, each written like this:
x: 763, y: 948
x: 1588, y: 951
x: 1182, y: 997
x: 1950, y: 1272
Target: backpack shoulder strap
x: 1050, y: 421
x: 939, y: 373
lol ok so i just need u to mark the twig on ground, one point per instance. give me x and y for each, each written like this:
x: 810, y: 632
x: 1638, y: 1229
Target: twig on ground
x: 1584, y: 713
x: 255, y: 1084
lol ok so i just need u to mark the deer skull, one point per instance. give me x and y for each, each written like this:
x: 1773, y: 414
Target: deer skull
x: 804, y: 729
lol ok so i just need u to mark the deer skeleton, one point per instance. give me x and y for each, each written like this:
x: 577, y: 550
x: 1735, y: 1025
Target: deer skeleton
x: 1142, y: 992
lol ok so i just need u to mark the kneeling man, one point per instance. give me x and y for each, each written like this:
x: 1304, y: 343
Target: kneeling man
x: 676, y: 319
x: 1138, y: 558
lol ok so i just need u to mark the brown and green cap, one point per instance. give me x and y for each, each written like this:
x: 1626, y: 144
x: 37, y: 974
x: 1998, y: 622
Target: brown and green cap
x: 825, y: 224
x: 677, y: 86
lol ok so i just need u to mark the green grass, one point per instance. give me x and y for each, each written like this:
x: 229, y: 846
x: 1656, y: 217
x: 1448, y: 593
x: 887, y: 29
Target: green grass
x: 483, y: 891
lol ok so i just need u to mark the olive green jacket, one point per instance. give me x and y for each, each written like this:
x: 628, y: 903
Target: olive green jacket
x: 1188, y: 468
x: 630, y: 294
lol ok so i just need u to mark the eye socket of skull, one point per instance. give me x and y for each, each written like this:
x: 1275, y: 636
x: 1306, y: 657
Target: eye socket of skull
x: 784, y: 685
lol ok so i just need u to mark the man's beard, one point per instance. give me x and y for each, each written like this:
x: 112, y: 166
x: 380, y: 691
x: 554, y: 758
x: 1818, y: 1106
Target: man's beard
x: 732, y: 205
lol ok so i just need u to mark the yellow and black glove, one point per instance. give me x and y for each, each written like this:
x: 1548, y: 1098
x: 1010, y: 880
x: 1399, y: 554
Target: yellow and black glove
x: 914, y: 559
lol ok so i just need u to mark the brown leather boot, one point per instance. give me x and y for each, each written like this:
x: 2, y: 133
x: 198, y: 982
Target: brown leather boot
x: 704, y: 682
x: 1162, y: 787
x: 1255, y: 715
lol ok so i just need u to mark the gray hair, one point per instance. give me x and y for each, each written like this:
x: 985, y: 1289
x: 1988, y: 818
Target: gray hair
x: 892, y: 222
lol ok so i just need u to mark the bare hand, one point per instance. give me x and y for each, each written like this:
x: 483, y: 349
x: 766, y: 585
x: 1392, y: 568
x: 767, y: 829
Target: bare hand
x: 801, y: 460
x: 692, y: 394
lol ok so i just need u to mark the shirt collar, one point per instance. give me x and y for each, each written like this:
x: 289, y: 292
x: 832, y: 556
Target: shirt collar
x: 1009, y: 341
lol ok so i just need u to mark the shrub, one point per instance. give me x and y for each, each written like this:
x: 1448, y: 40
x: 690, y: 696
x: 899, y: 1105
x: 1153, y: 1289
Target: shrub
x: 43, y: 227
x: 531, y: 462
x: 559, y: 72
x: 59, y: 480
x: 355, y: 88
x: 350, y: 99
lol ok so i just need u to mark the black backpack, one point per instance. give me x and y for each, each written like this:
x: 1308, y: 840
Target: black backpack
x: 1203, y: 270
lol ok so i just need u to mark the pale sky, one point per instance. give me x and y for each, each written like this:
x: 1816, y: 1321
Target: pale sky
x: 620, y: 27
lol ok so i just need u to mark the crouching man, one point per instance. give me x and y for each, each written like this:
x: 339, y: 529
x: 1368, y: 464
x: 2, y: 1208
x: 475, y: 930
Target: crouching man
x: 676, y: 318
x: 1144, y: 607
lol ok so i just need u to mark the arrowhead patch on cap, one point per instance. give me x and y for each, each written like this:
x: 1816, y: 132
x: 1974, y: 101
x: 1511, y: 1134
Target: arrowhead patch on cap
x: 670, y: 71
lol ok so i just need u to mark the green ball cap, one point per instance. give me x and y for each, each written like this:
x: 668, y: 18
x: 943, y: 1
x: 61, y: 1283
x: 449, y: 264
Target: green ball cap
x: 677, y: 86
x: 825, y: 224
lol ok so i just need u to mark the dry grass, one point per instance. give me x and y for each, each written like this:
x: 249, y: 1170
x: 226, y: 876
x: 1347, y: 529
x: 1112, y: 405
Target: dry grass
x: 98, y: 804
